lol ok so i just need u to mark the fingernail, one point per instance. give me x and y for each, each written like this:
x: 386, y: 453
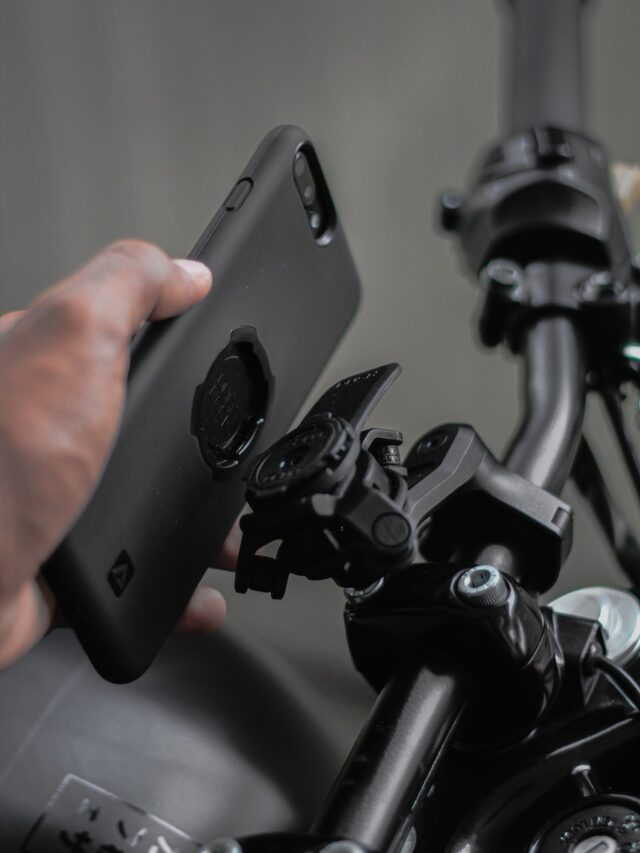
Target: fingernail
x: 194, y: 269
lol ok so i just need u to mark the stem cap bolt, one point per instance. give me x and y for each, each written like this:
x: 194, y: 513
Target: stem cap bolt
x: 483, y: 586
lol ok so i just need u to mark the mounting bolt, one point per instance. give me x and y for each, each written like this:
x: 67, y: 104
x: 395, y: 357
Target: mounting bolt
x: 601, y: 286
x: 450, y: 209
x: 358, y: 596
x: 502, y: 275
x: 583, y: 777
x: 483, y: 586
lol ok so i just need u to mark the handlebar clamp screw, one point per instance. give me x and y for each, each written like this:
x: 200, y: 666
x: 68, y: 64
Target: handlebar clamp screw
x: 483, y: 586
x: 601, y: 286
x: 502, y: 276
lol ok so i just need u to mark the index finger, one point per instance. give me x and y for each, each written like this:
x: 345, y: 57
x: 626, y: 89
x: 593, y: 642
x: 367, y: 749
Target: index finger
x: 132, y: 281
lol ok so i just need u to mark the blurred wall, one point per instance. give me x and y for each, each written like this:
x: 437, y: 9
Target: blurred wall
x: 128, y: 118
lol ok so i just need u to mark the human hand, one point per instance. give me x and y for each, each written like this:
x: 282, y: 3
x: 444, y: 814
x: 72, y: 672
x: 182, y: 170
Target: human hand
x: 63, y: 371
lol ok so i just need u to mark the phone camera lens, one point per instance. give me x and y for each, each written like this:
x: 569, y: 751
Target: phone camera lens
x: 300, y: 165
x: 308, y: 182
x: 304, y: 179
x: 309, y: 194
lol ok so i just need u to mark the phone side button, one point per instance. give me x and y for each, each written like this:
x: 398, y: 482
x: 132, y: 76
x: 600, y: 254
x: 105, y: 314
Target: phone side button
x: 238, y: 194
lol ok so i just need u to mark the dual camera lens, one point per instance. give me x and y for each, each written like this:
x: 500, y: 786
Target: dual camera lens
x: 304, y: 179
x: 311, y: 194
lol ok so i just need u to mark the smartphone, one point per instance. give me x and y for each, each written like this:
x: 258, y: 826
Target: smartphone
x: 206, y: 392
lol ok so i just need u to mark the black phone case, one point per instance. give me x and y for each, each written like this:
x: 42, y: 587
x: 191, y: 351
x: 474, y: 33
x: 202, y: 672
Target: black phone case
x: 207, y: 391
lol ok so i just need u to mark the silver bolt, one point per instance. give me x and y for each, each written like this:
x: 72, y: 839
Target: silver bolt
x: 223, y: 845
x: 342, y: 847
x: 502, y: 274
x: 357, y: 596
x: 601, y: 285
x: 583, y: 776
x: 632, y: 352
x: 483, y: 586
x: 410, y: 841
x: 597, y: 844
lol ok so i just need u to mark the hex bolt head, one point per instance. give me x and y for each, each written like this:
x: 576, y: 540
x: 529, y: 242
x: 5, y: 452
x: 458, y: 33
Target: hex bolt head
x: 483, y: 586
x: 502, y: 275
x: 601, y: 286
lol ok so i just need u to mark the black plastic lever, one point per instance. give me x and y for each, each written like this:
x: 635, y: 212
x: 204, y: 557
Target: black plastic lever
x: 354, y: 398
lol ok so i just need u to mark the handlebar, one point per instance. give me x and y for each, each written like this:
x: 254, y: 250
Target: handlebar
x: 545, y: 444
x: 546, y: 83
x: 388, y: 770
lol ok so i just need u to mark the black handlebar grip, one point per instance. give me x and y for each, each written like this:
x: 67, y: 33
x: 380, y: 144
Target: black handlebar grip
x: 546, y: 65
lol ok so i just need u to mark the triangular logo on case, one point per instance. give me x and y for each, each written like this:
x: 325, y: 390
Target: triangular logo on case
x: 120, y: 573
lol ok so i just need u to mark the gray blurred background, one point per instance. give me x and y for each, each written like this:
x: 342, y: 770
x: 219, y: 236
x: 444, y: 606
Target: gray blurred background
x: 125, y: 118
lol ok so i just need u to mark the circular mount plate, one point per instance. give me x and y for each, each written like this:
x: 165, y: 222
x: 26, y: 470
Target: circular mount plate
x: 230, y: 406
x: 309, y: 454
x: 613, y: 818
